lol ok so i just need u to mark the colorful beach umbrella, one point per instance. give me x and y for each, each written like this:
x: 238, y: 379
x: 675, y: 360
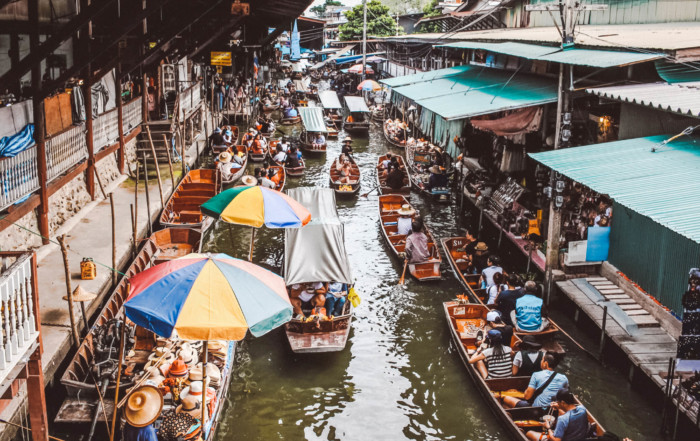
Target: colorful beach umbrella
x: 358, y: 69
x: 256, y: 206
x: 370, y: 85
x: 208, y: 297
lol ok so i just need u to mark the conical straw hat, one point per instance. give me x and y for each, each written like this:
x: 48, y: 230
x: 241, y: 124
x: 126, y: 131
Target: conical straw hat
x: 80, y: 295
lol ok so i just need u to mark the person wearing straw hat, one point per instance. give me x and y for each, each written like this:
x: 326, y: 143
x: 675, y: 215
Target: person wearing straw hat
x: 249, y: 181
x: 142, y: 408
x: 347, y: 146
x: 437, y: 178
x: 224, y: 165
x: 406, y: 213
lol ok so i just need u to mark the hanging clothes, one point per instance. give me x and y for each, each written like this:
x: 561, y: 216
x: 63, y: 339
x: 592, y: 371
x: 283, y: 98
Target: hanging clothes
x: 78, y: 105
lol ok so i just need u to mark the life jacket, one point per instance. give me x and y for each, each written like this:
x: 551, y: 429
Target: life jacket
x: 350, y: 119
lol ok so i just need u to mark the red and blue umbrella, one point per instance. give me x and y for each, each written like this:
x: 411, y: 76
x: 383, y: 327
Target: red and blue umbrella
x: 208, y: 297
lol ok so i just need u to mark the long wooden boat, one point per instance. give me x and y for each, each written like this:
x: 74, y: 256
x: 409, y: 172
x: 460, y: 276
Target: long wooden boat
x: 381, y: 179
x: 293, y: 172
x: 308, y: 147
x: 183, y: 208
x: 235, y: 150
x: 234, y: 140
x: 257, y: 154
x: 342, y: 189
x: 290, y: 121
x: 283, y: 174
x: 462, y: 318
x: 418, y: 162
x: 272, y: 108
x: 390, y: 139
x: 163, y: 245
x: 471, y: 284
x: 388, y: 218
x: 356, y: 123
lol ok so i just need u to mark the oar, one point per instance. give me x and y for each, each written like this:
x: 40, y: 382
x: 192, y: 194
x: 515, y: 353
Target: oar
x: 367, y: 194
x: 403, y: 274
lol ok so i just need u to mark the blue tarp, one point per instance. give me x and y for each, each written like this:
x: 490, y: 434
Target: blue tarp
x: 12, y: 145
x: 296, y: 51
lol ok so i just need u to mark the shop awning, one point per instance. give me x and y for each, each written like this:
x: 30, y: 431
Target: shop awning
x: 337, y: 53
x: 356, y: 104
x: 681, y: 98
x: 480, y: 91
x: 660, y: 184
x: 424, y: 76
x: 312, y: 118
x: 574, y: 56
x: 352, y: 58
x: 329, y: 99
x: 300, y: 86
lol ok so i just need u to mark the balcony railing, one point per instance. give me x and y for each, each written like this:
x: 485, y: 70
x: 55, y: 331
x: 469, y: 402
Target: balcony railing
x: 18, y: 323
x: 189, y: 99
x: 131, y: 115
x: 65, y: 150
x: 18, y: 177
x: 105, y: 130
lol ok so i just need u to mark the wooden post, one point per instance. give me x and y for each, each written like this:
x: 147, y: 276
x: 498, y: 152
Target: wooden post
x: 155, y: 161
x: 136, y: 205
x: 36, y: 397
x: 69, y: 291
x: 121, y: 156
x: 90, y: 177
x: 148, y: 196
x: 133, y: 229
x: 114, y: 240
x: 170, y: 161
x: 144, y: 98
x: 119, y: 377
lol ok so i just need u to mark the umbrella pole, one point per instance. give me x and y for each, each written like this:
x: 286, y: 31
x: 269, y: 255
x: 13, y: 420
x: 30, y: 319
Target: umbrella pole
x: 204, y: 385
x: 230, y: 235
x: 252, y: 244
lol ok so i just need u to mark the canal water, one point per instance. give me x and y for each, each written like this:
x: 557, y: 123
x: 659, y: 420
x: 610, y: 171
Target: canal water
x: 399, y: 376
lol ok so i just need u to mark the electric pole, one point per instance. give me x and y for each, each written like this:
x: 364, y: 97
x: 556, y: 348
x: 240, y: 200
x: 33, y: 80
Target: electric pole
x: 364, y: 39
x: 566, y: 10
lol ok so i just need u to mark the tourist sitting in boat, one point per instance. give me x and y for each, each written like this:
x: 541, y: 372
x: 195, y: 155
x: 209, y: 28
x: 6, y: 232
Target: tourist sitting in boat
x: 228, y: 135
x: 505, y: 303
x: 142, y: 409
x: 494, y: 290
x: 250, y: 135
x: 405, y: 220
x: 284, y: 143
x: 416, y: 250
x: 347, y: 146
x: 307, y: 297
x: 217, y: 138
x: 263, y: 179
x: 395, y: 178
x: 494, y: 321
x: 280, y: 156
x: 493, y: 361
x: 437, y: 179
x: 319, y: 141
x: 530, y: 313
x: 528, y: 359
x: 571, y: 422
x: 384, y: 166
x: 466, y: 252
x: 493, y: 267
x: 293, y: 158
x: 543, y: 385
x: 335, y: 298
x: 259, y: 144
x: 225, y: 165
x: 270, y: 126
x: 342, y: 165
x: 291, y: 112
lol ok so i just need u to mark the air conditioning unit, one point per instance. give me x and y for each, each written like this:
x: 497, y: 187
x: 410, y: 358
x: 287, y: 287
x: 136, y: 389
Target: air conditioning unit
x: 238, y: 8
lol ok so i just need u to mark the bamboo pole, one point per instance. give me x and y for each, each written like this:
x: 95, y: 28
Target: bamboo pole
x: 136, y: 206
x: 170, y: 162
x: 114, y: 240
x: 155, y: 161
x: 205, y: 381
x: 148, y: 196
x: 133, y: 229
x: 119, y: 377
x: 252, y: 244
x: 69, y: 291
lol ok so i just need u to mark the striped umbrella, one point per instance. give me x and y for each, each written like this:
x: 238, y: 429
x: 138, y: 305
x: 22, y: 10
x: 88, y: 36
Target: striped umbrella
x: 369, y: 85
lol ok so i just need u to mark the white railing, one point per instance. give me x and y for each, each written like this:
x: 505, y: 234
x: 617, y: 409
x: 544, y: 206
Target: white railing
x: 105, y: 130
x: 17, y: 321
x: 398, y: 70
x: 18, y: 177
x: 131, y: 115
x: 65, y: 150
x: 189, y: 99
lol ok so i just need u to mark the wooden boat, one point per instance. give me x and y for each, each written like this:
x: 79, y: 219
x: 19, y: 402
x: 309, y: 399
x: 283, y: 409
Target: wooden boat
x: 234, y: 150
x: 293, y: 172
x: 280, y: 170
x: 163, y: 245
x: 307, y: 146
x: 257, y: 154
x: 378, y: 114
x: 388, y: 218
x: 390, y: 139
x: 418, y: 162
x: 290, y: 121
x: 345, y: 189
x: 357, y: 117
x: 326, y: 238
x: 183, y: 208
x: 271, y: 108
x: 463, y: 317
x: 381, y: 180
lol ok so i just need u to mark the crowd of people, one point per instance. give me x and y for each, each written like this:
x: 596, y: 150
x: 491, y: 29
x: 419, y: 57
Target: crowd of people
x: 318, y: 301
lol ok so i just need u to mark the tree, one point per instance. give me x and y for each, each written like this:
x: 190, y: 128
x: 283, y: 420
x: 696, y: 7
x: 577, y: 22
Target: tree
x: 320, y: 10
x: 379, y: 22
x: 430, y: 10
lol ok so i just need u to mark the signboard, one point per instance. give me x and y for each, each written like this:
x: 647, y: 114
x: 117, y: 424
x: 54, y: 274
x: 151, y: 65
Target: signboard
x: 221, y: 58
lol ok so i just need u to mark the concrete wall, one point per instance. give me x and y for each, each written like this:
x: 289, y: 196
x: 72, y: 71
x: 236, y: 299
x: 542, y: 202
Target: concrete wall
x: 637, y: 121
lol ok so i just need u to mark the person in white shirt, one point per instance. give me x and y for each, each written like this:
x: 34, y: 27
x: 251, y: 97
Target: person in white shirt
x: 263, y: 180
x: 405, y: 219
x: 280, y: 157
x: 307, y: 296
x: 319, y: 141
x: 488, y: 272
x: 224, y: 166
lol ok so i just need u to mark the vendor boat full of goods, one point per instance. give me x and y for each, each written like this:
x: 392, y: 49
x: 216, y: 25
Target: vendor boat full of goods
x: 90, y: 378
x: 464, y: 321
x: 317, y: 253
x: 419, y: 160
x: 391, y: 139
x: 381, y: 177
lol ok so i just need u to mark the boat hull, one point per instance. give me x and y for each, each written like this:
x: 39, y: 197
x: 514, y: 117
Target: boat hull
x: 332, y: 337
x: 183, y: 209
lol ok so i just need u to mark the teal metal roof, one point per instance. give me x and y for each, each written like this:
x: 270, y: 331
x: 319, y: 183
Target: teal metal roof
x: 329, y: 99
x: 575, y: 56
x: 356, y: 104
x: 480, y: 91
x: 312, y: 118
x: 662, y: 185
x: 424, y: 76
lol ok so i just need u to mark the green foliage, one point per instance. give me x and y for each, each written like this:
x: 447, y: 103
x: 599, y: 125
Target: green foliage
x: 379, y: 22
x: 319, y: 10
x: 430, y: 10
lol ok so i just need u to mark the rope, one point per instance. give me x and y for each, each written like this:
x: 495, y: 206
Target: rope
x: 686, y: 132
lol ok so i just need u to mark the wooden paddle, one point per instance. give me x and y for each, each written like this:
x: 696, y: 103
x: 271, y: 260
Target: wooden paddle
x: 367, y: 194
x: 403, y: 274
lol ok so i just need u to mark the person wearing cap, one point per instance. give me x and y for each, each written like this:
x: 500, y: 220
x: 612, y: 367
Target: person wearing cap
x: 494, y: 321
x: 228, y: 135
x: 571, y: 423
x: 403, y: 223
x: 480, y: 257
x: 437, y: 178
x: 528, y: 359
x: 142, y: 408
x: 494, y: 361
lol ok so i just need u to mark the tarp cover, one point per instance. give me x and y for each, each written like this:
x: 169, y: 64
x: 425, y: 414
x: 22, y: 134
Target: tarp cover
x: 329, y: 99
x: 520, y: 121
x: 300, y: 86
x: 356, y: 104
x: 12, y: 145
x: 316, y: 252
x: 312, y: 118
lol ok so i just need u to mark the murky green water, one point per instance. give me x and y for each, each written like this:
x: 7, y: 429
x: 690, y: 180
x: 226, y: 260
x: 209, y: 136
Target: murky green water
x: 399, y: 376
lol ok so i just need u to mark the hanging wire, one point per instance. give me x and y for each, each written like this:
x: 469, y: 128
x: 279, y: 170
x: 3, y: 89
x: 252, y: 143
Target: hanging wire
x: 686, y: 132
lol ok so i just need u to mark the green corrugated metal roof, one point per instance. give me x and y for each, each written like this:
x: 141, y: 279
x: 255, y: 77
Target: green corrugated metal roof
x: 312, y: 118
x: 661, y: 185
x: 575, y: 56
x: 480, y: 91
x: 424, y: 76
x: 356, y: 104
